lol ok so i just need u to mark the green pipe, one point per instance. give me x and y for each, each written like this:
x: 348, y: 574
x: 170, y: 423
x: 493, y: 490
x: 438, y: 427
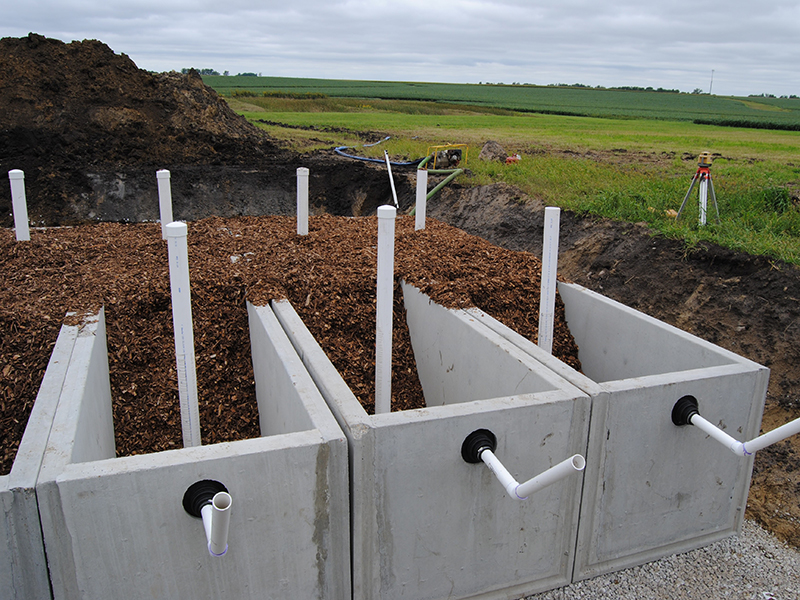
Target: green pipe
x: 453, y: 174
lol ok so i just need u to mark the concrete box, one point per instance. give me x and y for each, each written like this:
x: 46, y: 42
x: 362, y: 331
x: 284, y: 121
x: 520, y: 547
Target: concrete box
x: 651, y: 488
x: 425, y: 523
x: 23, y: 568
x: 116, y: 527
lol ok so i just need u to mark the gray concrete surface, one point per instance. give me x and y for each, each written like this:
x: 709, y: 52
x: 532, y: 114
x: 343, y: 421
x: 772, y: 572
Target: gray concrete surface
x: 23, y: 568
x: 116, y: 527
x: 651, y: 488
x: 425, y: 523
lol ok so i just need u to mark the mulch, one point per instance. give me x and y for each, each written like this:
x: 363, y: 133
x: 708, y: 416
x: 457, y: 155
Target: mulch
x: 328, y: 275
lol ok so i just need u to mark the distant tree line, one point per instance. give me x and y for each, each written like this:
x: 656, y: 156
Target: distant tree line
x: 215, y: 72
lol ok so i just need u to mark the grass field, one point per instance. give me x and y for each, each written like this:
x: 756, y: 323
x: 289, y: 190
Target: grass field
x: 628, y: 169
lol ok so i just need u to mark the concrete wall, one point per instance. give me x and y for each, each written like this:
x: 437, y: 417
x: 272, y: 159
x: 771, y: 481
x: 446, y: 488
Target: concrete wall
x: 651, y: 488
x: 426, y: 524
x: 23, y: 568
x: 116, y: 527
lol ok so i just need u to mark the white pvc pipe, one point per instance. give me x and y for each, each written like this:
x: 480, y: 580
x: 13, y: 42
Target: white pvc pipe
x: 184, y: 332
x: 19, y: 205
x: 302, y: 201
x: 746, y: 448
x: 776, y: 435
x: 703, y: 199
x: 383, y: 313
x: 391, y: 179
x: 216, y: 521
x: 521, y: 491
x: 164, y: 200
x: 715, y: 432
x: 503, y: 476
x: 547, y: 300
x: 422, y: 199
x: 553, y: 474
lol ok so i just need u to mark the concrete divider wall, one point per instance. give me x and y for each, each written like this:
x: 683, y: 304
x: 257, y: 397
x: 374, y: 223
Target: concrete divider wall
x: 23, y: 568
x: 426, y: 524
x: 471, y: 364
x: 116, y: 527
x: 651, y: 488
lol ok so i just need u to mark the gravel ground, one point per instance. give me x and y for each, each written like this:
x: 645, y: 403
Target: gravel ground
x: 751, y: 566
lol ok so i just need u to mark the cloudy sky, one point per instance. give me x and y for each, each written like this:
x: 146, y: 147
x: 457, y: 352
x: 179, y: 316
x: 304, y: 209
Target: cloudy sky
x: 745, y: 47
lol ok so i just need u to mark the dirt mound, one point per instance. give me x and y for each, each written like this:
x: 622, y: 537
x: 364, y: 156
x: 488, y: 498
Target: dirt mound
x: 69, y: 108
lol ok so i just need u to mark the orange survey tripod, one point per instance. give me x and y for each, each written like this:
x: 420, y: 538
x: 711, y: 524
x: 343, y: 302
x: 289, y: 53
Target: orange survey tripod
x: 706, y: 184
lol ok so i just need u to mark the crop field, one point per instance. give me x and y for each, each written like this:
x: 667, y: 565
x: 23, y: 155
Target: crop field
x: 775, y: 113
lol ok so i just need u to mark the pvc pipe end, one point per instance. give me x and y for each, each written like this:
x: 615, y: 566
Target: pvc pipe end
x: 387, y: 212
x: 162, y: 174
x: 684, y: 410
x: 578, y: 462
x: 222, y: 501
x: 302, y: 171
x: 212, y: 553
x: 200, y: 494
x: 176, y: 229
x: 16, y: 174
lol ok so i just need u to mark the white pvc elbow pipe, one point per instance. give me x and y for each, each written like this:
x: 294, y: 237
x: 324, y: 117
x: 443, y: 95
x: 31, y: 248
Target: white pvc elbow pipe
x: 184, y: 332
x: 19, y: 205
x: 547, y: 301
x: 216, y: 521
x: 522, y: 490
x: 503, y: 476
x: 552, y: 475
x: 716, y: 433
x: 164, y: 200
x: 422, y: 199
x: 383, y: 311
x: 685, y: 412
x: 302, y: 201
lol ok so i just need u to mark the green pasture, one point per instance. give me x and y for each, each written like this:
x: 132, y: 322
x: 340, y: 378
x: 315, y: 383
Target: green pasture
x: 627, y: 169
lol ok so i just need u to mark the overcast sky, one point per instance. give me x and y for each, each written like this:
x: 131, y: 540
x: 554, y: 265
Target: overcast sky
x: 752, y: 47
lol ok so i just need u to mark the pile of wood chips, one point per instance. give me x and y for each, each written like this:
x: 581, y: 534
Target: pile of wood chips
x: 328, y: 275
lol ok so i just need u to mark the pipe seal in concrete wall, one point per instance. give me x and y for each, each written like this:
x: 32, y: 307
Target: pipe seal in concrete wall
x: 475, y: 443
x: 199, y: 494
x: 684, y: 410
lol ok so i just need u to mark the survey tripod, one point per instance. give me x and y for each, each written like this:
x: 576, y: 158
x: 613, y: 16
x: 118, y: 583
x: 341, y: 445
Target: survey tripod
x: 706, y: 184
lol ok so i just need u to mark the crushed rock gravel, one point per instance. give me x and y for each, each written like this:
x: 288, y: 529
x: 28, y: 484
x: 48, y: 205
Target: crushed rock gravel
x: 753, y: 565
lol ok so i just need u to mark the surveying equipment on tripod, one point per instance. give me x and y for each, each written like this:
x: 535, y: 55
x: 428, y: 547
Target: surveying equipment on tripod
x: 704, y: 175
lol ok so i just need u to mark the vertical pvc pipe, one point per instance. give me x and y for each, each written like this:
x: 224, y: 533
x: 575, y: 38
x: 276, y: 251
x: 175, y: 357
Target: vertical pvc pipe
x: 184, y: 333
x: 19, y: 205
x: 302, y: 201
x: 703, y: 199
x: 422, y: 198
x: 547, y: 301
x: 383, y: 313
x: 216, y: 522
x: 164, y: 200
x: 391, y: 178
